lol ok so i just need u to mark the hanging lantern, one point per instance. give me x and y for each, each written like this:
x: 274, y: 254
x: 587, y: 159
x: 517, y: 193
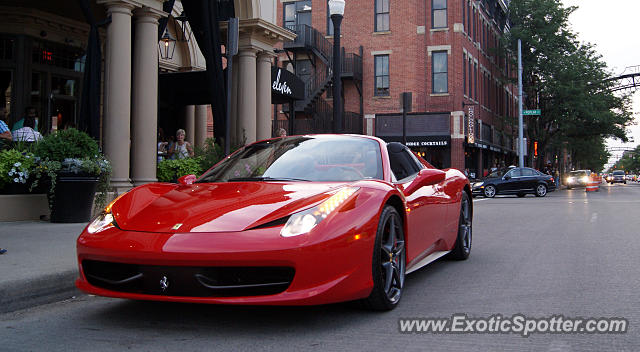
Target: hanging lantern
x: 167, y: 45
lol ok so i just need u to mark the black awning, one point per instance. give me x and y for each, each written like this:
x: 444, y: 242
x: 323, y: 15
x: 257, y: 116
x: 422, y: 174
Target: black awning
x: 184, y: 88
x: 285, y: 86
x: 190, y: 88
x: 421, y: 141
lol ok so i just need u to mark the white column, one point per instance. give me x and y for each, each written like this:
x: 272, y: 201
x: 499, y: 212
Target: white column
x: 144, y: 124
x: 247, y: 94
x: 236, y: 138
x: 200, y: 133
x: 263, y: 99
x: 117, y: 114
x: 189, y: 123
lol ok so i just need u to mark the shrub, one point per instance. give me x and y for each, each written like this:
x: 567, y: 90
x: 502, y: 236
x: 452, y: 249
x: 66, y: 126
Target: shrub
x: 209, y: 154
x: 171, y: 170
x: 65, y: 144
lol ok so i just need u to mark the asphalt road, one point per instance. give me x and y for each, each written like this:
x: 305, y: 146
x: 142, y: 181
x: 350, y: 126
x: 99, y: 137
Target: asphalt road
x: 570, y: 253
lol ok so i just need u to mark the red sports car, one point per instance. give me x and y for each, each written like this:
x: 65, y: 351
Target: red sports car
x: 296, y: 220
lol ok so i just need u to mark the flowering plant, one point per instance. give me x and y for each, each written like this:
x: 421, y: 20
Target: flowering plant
x: 15, y: 166
x: 71, y: 153
x: 96, y: 166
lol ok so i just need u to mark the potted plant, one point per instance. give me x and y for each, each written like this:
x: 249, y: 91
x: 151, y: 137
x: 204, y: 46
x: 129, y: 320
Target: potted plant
x: 77, y: 174
x: 15, y: 170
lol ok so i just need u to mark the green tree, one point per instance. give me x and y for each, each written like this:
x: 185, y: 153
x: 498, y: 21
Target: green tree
x: 568, y: 81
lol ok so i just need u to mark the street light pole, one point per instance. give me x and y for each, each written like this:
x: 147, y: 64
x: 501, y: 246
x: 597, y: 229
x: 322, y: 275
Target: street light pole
x: 336, y: 9
x: 520, y: 131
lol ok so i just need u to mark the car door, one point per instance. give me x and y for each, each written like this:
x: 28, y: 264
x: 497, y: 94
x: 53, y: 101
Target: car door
x: 426, y: 206
x: 528, y: 180
x: 510, y: 181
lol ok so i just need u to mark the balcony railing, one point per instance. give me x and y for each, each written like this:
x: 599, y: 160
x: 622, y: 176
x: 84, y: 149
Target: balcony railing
x: 352, y: 66
x: 309, y: 38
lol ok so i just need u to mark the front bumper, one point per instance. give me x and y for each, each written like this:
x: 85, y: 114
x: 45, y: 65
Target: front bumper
x: 323, y: 267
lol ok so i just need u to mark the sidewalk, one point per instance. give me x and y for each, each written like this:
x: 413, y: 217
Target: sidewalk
x: 40, y: 265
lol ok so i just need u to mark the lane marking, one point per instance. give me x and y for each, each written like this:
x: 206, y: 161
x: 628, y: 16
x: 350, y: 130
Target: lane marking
x: 594, y: 217
x: 480, y: 200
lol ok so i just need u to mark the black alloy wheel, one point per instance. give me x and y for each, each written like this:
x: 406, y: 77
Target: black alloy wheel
x: 462, y: 248
x: 389, y: 261
x: 490, y: 191
x: 541, y: 190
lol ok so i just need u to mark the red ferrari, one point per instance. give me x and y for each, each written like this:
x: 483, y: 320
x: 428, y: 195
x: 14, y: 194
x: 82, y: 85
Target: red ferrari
x: 297, y: 220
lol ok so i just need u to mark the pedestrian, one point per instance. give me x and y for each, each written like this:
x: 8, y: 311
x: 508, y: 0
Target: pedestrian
x: 5, y: 133
x: 30, y: 111
x: 282, y: 132
x: 181, y: 149
x: 27, y: 133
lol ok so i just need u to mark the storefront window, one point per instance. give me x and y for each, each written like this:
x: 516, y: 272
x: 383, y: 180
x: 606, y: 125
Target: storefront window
x: 6, y: 48
x: 63, y: 56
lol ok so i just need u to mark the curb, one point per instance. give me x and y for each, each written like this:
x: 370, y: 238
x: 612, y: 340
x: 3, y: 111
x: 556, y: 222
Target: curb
x: 21, y: 294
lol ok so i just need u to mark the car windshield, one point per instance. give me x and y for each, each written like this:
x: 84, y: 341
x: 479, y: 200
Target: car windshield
x: 578, y: 173
x: 301, y: 158
x: 499, y: 172
x: 618, y: 173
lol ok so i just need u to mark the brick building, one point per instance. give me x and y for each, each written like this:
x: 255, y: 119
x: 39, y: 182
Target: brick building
x: 445, y: 52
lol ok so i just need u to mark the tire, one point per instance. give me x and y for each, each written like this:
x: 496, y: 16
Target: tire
x: 541, y: 190
x: 462, y: 248
x: 489, y: 191
x: 520, y: 195
x: 389, y: 262
x: 568, y: 187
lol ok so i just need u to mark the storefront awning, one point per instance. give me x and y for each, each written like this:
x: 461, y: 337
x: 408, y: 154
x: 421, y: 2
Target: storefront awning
x: 285, y: 86
x: 421, y: 141
x: 190, y: 88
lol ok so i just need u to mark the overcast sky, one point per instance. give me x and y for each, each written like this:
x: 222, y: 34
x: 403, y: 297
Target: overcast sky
x: 613, y: 27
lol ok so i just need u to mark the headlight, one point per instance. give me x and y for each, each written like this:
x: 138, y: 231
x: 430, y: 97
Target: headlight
x: 306, y: 220
x: 101, y: 222
x: 105, y: 220
x: 585, y: 178
x: 569, y: 179
x: 478, y: 184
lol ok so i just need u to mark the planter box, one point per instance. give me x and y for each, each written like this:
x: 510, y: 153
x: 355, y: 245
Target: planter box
x: 73, y: 198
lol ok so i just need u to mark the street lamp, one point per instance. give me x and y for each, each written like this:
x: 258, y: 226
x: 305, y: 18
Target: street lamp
x: 167, y: 45
x: 336, y: 10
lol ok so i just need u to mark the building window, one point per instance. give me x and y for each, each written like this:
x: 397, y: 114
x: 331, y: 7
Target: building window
x: 439, y: 71
x: 381, y: 75
x: 464, y: 73
x: 382, y: 16
x: 438, y: 13
x: 296, y: 13
x: 464, y: 15
x: 470, y: 77
x: 475, y: 86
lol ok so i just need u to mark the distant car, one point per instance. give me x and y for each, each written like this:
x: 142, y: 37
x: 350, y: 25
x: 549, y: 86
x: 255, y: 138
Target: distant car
x: 618, y: 177
x: 578, y: 178
x: 519, y: 181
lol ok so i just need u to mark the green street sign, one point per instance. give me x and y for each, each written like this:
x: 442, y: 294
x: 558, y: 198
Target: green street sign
x: 531, y: 112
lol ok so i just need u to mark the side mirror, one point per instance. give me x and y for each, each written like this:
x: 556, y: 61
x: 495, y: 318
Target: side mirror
x: 507, y: 178
x: 426, y: 177
x: 187, y: 179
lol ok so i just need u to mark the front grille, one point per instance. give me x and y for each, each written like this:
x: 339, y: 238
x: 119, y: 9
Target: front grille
x: 188, y: 281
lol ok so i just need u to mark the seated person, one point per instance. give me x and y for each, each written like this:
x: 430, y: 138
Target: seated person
x: 27, y: 133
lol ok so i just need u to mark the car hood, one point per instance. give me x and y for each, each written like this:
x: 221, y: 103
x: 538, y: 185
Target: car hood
x: 488, y: 179
x: 214, y: 207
